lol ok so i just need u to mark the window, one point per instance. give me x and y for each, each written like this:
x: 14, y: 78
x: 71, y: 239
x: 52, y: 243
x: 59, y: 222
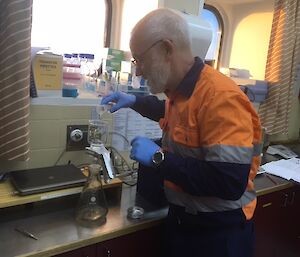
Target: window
x: 212, y: 15
x: 71, y: 26
x: 133, y: 11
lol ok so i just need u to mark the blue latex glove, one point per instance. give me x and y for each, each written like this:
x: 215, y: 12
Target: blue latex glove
x: 142, y: 150
x: 121, y: 99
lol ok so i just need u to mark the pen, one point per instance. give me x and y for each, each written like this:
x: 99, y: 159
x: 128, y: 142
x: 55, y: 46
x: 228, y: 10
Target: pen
x: 26, y: 233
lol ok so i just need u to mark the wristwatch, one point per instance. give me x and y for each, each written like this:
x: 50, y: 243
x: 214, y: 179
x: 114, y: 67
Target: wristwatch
x: 158, y: 157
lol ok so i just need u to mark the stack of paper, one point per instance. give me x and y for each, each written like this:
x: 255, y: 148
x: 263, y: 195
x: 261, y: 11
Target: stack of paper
x: 287, y: 169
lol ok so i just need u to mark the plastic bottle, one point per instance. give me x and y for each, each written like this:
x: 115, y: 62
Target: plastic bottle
x: 92, y: 207
x: 82, y: 61
x: 75, y: 59
x: 91, y: 75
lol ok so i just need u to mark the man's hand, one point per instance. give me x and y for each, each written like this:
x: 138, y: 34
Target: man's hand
x: 142, y: 150
x: 121, y: 99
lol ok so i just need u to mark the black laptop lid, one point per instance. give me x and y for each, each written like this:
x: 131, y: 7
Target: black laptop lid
x: 46, y: 179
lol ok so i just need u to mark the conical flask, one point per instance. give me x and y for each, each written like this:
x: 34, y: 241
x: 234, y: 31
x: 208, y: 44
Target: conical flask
x: 92, y: 208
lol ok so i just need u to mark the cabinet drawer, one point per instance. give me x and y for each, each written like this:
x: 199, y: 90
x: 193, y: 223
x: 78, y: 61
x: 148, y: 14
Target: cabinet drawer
x: 277, y: 223
x: 88, y: 251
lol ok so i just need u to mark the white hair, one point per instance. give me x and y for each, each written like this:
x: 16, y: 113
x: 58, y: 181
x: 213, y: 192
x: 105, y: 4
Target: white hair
x: 165, y: 23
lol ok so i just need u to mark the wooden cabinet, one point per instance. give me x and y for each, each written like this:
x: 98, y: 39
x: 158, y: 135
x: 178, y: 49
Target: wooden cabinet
x: 88, y: 251
x: 277, y: 224
x: 146, y: 243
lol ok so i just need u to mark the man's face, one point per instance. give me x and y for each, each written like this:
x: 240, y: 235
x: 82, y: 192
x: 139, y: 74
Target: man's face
x: 152, y: 66
x: 157, y: 74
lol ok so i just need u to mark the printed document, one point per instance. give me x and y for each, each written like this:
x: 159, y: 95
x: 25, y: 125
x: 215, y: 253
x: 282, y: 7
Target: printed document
x: 287, y: 169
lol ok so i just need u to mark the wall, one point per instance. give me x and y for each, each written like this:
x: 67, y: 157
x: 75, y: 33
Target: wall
x: 192, y: 6
x: 48, y: 136
x: 294, y: 125
x: 252, y: 26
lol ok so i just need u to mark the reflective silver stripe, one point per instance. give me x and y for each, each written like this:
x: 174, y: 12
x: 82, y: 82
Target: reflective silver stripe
x: 227, y: 153
x: 218, y: 153
x: 195, y: 204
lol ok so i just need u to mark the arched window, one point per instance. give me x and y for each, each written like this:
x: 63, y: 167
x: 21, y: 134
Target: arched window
x: 71, y: 26
x: 212, y: 15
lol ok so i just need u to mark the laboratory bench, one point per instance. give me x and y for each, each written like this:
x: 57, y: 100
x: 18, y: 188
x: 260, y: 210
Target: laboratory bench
x: 52, y: 221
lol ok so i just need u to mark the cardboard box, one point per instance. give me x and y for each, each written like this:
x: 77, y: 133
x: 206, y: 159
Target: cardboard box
x: 47, y: 71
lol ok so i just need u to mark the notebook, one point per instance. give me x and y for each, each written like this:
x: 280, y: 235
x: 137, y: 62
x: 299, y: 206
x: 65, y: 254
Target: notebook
x: 46, y: 179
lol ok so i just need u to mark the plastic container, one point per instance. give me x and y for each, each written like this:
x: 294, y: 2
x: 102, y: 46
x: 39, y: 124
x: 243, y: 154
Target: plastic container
x: 92, y: 74
x: 72, y: 78
x: 89, y: 73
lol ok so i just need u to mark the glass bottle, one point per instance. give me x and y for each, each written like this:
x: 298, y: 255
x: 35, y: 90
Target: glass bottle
x: 97, y: 132
x: 92, y: 207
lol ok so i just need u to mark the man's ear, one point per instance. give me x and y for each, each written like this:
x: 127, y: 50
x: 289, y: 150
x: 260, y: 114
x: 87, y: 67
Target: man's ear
x: 169, y: 47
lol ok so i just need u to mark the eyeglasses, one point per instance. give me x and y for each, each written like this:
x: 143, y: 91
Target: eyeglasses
x: 135, y: 61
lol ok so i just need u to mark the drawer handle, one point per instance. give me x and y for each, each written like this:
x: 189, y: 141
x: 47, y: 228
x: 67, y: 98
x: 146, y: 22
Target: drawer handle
x: 107, y: 252
x: 286, y: 198
x: 291, y: 202
x: 267, y: 205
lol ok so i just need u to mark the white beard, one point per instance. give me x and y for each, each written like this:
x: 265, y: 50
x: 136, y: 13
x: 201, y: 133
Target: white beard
x: 158, y: 76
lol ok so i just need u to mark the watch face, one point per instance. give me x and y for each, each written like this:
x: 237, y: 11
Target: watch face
x: 158, y: 157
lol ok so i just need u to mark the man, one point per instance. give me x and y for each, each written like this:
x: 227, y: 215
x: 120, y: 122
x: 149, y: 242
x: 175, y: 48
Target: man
x: 210, y: 146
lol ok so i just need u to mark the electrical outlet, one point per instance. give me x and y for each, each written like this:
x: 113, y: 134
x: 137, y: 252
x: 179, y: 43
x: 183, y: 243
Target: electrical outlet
x: 77, y: 137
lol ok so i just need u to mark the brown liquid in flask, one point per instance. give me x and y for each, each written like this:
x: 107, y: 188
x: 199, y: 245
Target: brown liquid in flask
x: 92, y: 208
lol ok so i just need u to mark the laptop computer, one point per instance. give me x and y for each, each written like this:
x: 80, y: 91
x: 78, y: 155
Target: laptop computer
x: 46, y: 179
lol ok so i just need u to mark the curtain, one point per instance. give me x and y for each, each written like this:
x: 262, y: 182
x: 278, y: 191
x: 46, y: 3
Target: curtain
x: 282, y: 60
x: 15, y: 52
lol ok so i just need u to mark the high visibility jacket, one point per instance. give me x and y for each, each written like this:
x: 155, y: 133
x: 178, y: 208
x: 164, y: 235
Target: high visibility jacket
x: 212, y: 139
